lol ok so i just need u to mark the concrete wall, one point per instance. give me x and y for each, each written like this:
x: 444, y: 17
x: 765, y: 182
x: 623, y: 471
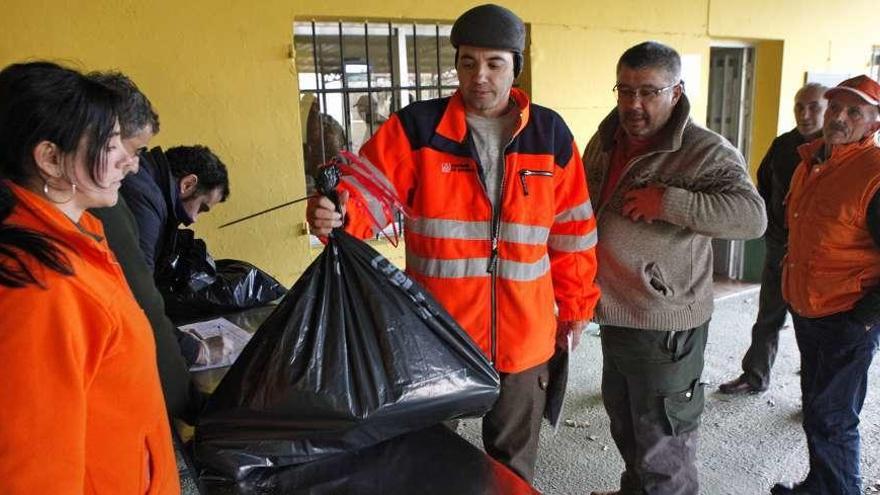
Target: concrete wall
x: 219, y: 73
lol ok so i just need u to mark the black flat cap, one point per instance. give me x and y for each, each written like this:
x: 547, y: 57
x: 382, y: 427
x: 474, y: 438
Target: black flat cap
x: 489, y: 26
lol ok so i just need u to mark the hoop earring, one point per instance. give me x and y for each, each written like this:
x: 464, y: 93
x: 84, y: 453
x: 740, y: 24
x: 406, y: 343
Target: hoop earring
x: 46, y: 193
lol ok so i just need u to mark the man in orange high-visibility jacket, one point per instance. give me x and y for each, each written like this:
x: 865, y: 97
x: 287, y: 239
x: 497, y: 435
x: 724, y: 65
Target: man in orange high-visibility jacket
x: 831, y: 281
x: 503, y: 227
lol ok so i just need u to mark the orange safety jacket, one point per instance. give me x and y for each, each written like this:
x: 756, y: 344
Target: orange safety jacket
x: 83, y: 411
x: 498, y: 274
x: 832, y: 260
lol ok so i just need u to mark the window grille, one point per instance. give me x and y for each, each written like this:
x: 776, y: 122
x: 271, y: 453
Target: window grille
x: 353, y: 76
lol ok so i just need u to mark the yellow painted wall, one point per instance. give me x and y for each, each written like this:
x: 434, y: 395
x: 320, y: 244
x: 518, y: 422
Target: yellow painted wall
x: 767, y: 103
x: 218, y: 73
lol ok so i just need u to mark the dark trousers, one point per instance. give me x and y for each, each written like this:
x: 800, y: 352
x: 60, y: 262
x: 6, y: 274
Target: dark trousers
x: 511, y: 429
x: 652, y: 393
x: 836, y: 352
x: 771, y: 316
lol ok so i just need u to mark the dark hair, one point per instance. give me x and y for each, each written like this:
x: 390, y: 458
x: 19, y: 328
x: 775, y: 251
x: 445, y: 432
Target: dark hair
x: 42, y: 101
x: 652, y: 54
x: 201, y: 161
x: 135, y: 110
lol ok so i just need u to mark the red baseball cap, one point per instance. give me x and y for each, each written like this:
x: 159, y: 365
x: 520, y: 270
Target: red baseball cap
x: 863, y: 86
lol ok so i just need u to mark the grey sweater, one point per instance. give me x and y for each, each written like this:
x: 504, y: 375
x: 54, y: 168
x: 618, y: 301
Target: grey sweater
x: 658, y: 276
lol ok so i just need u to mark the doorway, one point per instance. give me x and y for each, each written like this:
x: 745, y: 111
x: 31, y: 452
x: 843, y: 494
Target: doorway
x: 731, y: 97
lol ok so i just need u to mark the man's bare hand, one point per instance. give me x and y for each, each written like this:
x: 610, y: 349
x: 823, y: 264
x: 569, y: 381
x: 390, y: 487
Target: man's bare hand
x: 322, y: 215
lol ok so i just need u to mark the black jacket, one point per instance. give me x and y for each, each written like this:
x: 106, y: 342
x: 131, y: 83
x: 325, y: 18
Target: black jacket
x: 153, y: 198
x: 181, y: 397
x: 774, y: 179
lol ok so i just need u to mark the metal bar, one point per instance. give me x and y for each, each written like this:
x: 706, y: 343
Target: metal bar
x: 402, y: 69
x: 331, y: 91
x: 725, y: 100
x: 416, y: 63
x: 369, y: 78
x: 437, y: 40
x: 267, y: 210
x: 346, y: 103
x: 319, y: 84
x: 393, y: 105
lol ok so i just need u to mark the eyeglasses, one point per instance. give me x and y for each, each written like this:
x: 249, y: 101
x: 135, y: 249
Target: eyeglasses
x: 643, y: 93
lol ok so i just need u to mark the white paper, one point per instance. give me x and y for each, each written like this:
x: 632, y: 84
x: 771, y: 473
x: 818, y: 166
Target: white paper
x: 234, y: 338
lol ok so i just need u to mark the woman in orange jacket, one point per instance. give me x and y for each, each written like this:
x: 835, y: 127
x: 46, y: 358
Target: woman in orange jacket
x: 82, y: 408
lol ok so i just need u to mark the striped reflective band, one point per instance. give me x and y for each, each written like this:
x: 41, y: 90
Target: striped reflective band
x: 456, y: 229
x: 377, y: 174
x: 372, y: 203
x: 448, y: 229
x: 583, y: 211
x: 476, y: 267
x: 572, y: 243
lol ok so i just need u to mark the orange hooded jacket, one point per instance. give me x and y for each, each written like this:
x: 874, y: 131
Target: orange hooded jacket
x: 83, y: 410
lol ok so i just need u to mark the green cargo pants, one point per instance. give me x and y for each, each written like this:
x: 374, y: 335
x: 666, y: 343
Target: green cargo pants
x: 652, y: 393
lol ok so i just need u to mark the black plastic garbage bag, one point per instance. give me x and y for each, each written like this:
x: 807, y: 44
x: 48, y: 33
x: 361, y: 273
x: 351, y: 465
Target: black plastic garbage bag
x: 355, y: 354
x: 237, y: 285
x: 186, y: 266
x: 433, y: 461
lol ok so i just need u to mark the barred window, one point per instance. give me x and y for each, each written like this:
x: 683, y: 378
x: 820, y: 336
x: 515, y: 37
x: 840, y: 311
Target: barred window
x: 353, y: 76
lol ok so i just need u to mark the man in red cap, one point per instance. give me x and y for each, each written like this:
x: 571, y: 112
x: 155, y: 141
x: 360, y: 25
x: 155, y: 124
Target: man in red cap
x: 502, y: 228
x: 831, y: 280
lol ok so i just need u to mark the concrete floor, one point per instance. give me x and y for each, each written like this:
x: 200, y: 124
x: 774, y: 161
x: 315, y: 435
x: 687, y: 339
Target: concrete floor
x: 747, y: 442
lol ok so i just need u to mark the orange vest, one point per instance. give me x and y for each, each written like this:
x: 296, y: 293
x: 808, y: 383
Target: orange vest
x: 83, y: 411
x: 498, y: 277
x: 832, y: 260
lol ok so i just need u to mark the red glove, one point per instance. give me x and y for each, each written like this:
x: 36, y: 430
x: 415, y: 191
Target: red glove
x: 644, y: 204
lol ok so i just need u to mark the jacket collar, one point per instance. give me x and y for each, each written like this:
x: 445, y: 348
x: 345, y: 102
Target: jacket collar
x: 35, y: 212
x: 670, y: 136
x: 453, y: 124
x: 167, y: 183
x: 809, y: 151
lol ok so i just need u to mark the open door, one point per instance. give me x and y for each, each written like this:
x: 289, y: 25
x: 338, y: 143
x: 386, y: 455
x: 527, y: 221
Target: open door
x: 731, y: 90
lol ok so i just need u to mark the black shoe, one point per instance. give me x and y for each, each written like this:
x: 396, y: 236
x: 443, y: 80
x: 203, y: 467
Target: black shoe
x: 739, y: 386
x: 789, y: 488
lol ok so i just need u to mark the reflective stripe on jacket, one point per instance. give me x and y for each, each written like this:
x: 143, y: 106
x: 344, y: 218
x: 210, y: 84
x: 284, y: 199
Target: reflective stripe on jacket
x: 832, y: 260
x: 545, y: 235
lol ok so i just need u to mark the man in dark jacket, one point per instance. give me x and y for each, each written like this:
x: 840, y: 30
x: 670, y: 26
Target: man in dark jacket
x: 139, y: 123
x: 172, y: 188
x: 774, y: 177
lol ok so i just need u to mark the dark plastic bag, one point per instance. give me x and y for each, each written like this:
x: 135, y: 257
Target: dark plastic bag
x: 238, y: 285
x: 186, y: 266
x: 355, y: 354
x: 195, y: 286
x: 433, y: 461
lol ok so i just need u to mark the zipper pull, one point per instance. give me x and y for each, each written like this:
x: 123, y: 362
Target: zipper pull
x: 522, y: 180
x: 493, y: 259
